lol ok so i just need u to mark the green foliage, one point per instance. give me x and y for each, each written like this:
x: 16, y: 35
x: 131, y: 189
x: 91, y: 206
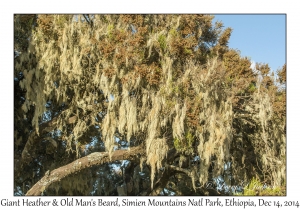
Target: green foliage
x: 162, y: 42
x: 188, y: 51
x: 173, y: 32
x: 185, y: 144
x: 177, y: 143
x: 62, y: 20
x: 110, y: 29
x: 251, y: 87
x: 172, y: 90
x: 170, y: 104
x: 190, y: 139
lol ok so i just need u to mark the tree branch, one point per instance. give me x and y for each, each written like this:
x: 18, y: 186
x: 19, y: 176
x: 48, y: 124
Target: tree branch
x: 96, y: 158
x: 88, y: 20
x: 161, y: 183
x: 34, y: 138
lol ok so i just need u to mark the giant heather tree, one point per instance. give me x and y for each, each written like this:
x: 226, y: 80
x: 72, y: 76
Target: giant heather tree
x: 141, y: 105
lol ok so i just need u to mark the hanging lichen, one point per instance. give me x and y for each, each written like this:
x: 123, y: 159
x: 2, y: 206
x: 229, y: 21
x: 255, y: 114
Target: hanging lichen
x: 162, y: 82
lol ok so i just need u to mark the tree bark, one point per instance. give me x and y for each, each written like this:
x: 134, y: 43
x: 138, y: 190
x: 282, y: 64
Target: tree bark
x: 96, y: 158
x: 161, y: 183
x: 34, y: 138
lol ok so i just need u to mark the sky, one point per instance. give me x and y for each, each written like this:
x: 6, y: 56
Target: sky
x: 260, y: 37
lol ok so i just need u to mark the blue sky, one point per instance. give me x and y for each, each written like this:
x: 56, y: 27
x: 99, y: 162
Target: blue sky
x: 260, y: 37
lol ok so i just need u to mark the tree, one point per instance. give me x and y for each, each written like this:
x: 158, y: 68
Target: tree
x: 140, y: 105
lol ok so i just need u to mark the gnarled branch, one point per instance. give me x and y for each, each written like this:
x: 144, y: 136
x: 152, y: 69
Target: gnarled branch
x: 96, y: 158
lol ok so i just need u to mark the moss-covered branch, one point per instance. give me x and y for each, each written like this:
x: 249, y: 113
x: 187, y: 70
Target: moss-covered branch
x: 97, y: 158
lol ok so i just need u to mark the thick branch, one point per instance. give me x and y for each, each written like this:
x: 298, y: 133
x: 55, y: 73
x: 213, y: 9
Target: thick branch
x: 93, y: 159
x: 34, y: 138
x: 182, y: 170
x: 161, y: 183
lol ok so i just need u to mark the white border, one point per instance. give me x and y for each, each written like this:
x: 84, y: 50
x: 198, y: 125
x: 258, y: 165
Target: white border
x: 154, y: 6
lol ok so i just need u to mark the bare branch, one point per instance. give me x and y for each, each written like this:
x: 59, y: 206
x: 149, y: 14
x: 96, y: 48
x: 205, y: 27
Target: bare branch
x: 88, y: 20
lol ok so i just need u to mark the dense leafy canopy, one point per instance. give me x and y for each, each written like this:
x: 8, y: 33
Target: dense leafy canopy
x: 141, y: 105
